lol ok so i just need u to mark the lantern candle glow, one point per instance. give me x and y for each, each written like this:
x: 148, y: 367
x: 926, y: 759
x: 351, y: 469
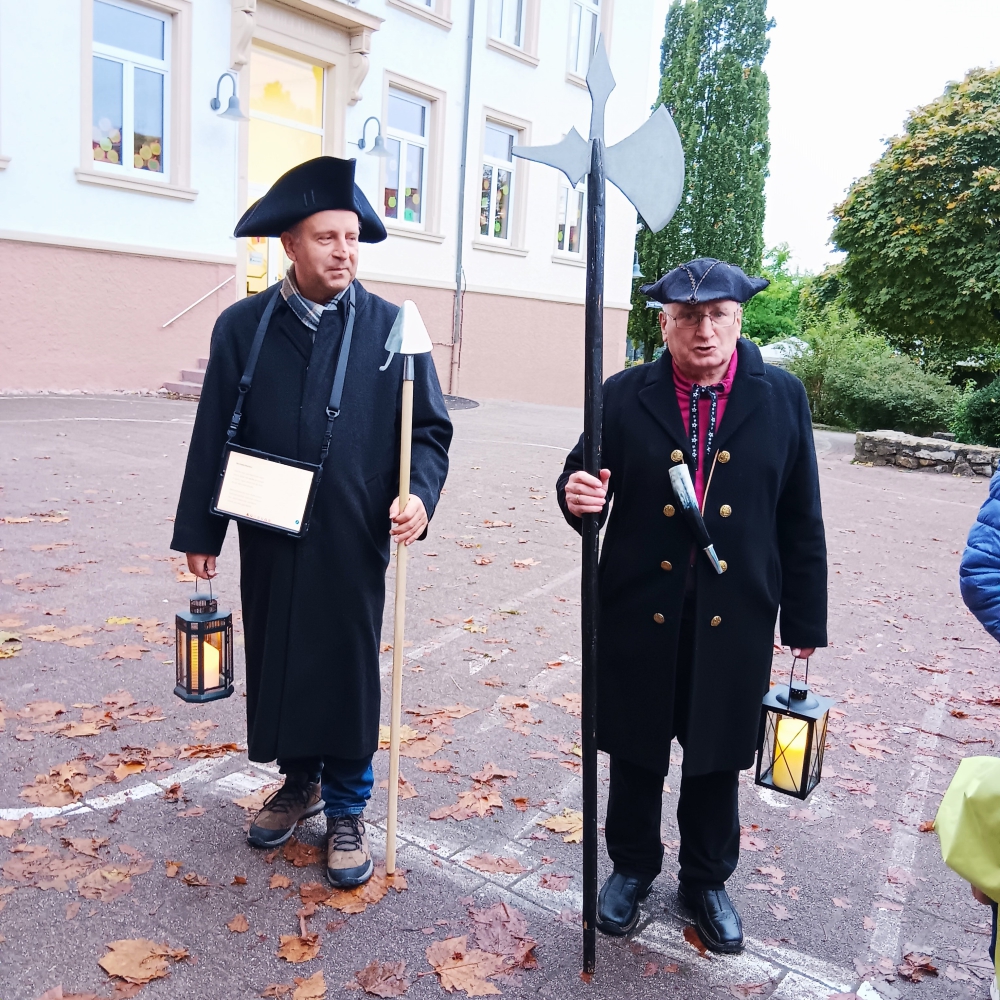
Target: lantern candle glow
x: 792, y: 738
x: 204, y: 651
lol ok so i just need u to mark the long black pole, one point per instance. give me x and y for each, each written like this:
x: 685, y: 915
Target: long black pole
x: 592, y: 417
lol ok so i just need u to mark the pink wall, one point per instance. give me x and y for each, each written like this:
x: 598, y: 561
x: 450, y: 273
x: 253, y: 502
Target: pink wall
x: 91, y: 320
x: 528, y: 350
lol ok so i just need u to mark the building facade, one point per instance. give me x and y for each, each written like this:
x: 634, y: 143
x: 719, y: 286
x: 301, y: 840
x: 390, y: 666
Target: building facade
x: 120, y: 185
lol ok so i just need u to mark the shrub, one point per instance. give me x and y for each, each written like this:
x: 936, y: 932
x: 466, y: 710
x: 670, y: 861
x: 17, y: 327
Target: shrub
x: 773, y: 313
x: 855, y: 379
x: 977, y: 416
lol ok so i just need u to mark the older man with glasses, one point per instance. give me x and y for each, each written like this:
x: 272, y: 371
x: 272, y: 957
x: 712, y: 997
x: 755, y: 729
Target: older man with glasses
x: 684, y: 651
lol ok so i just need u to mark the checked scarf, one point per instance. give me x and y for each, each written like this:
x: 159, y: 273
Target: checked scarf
x: 309, y: 312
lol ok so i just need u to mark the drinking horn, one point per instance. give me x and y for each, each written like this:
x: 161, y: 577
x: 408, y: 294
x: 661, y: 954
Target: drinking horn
x: 680, y: 479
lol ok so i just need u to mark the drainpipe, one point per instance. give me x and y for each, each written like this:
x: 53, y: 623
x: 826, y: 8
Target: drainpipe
x: 456, y: 332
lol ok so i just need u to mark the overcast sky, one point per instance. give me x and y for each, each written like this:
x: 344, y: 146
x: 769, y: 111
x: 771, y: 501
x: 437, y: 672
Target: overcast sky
x: 843, y: 74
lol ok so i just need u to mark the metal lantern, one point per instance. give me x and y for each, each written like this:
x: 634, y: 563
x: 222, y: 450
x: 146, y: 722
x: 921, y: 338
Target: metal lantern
x: 204, y: 651
x: 792, y: 737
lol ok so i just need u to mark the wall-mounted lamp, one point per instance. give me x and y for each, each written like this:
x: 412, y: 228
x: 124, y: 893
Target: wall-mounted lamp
x: 233, y: 111
x: 636, y: 270
x: 378, y: 146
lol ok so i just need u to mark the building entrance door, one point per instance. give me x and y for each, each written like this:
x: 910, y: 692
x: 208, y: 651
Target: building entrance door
x: 286, y: 128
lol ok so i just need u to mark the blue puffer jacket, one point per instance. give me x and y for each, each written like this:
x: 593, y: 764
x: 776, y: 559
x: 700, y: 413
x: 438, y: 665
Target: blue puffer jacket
x: 979, y: 574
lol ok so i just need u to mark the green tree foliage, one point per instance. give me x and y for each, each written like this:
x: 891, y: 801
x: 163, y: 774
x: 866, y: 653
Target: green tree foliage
x: 773, y: 314
x: 712, y: 82
x: 977, y: 416
x: 855, y: 379
x: 921, y: 231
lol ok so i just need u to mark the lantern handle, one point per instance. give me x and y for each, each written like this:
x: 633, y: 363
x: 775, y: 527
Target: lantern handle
x: 211, y: 596
x: 799, y: 694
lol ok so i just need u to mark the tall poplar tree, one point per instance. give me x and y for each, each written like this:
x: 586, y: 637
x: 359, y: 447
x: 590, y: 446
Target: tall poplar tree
x: 712, y: 82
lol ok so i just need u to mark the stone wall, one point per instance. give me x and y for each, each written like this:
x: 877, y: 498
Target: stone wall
x: 937, y: 454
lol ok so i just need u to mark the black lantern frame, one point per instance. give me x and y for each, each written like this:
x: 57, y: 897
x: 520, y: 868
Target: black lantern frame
x: 793, y: 726
x: 204, y: 648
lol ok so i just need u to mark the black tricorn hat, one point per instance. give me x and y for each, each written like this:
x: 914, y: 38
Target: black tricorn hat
x: 705, y: 280
x: 317, y: 185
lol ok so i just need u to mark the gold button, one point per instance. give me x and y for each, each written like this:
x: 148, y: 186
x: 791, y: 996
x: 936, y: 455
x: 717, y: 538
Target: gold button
x: 716, y: 621
x: 677, y: 455
x: 669, y: 510
x: 724, y: 565
x: 658, y: 618
x: 667, y: 565
x: 725, y: 510
x: 724, y: 457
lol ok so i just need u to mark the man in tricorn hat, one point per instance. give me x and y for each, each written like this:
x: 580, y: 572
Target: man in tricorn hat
x: 312, y: 605
x: 684, y: 651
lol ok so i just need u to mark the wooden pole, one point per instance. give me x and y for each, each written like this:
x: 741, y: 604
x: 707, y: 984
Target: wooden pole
x: 405, y: 437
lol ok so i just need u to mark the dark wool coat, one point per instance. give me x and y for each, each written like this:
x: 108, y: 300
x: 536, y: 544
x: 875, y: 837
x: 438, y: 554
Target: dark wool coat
x: 772, y: 541
x: 312, y: 606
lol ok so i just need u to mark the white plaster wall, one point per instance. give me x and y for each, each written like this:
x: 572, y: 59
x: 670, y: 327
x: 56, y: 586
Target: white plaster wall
x: 40, y: 51
x: 540, y: 94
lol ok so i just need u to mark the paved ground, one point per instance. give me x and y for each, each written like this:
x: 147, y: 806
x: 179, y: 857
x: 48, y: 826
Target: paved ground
x: 827, y: 890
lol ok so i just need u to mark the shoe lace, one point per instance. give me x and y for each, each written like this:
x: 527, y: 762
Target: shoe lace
x: 291, y: 796
x: 346, y: 833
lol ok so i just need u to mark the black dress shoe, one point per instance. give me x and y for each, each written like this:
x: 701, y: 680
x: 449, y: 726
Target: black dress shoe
x: 618, y: 903
x: 718, y: 923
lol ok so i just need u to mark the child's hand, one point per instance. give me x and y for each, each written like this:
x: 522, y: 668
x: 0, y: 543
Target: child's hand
x: 981, y: 896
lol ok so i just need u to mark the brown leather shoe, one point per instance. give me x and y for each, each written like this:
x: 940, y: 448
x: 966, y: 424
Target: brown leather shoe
x: 296, y: 800
x: 348, y: 856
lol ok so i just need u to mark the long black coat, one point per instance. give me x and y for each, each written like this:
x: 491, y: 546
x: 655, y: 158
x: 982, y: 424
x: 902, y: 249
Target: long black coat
x: 312, y: 606
x: 773, y: 543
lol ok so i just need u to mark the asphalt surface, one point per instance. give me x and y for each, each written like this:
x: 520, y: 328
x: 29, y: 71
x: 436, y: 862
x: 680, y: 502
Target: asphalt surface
x: 848, y: 877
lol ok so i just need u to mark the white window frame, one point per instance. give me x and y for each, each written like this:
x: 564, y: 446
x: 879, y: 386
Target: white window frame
x: 498, y: 165
x: 565, y: 192
x: 513, y: 9
x: 405, y: 140
x: 130, y: 61
x: 578, y: 8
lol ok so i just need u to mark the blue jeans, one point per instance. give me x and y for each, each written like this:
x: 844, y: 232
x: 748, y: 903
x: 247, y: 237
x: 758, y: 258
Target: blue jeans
x: 347, y: 784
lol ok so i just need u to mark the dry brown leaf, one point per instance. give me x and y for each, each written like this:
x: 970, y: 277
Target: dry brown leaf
x: 491, y: 772
x: 41, y: 711
x: 300, y: 855
x: 75, y: 729
x: 314, y: 892
x: 372, y: 892
x: 570, y: 702
x: 436, y: 766
x: 479, y: 801
x: 569, y: 823
x: 383, y: 979
x: 192, y: 813
x: 313, y: 988
x: 124, y: 653
x: 139, y: 960
x: 458, y: 968
x: 173, y: 867
x: 85, y: 845
x: 72, y: 909
x: 503, y: 930
x: 500, y: 866
x: 239, y: 924
x: 194, y: 879
x: 8, y: 827
x: 557, y: 883
x: 295, y: 948
x: 254, y: 802
x: 105, y: 884
x: 405, y: 789
x: 142, y: 570
x: 205, y: 750
x: 275, y: 989
x: 279, y: 882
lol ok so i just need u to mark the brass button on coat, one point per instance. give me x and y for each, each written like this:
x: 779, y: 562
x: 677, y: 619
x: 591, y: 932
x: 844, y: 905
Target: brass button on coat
x: 724, y: 457
x: 666, y: 565
x: 725, y: 510
x: 669, y: 510
x: 677, y: 455
x: 716, y: 621
x: 658, y: 618
x: 724, y: 565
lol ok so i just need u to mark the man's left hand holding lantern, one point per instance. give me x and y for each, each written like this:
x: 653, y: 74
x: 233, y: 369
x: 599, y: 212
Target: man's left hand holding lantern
x: 312, y: 605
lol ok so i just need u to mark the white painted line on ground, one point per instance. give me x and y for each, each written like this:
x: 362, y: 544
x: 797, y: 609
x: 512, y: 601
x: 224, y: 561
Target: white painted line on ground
x: 450, y: 635
x: 888, y: 923
x: 565, y: 449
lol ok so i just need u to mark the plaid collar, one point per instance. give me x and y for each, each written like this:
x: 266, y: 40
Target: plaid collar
x: 309, y: 312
